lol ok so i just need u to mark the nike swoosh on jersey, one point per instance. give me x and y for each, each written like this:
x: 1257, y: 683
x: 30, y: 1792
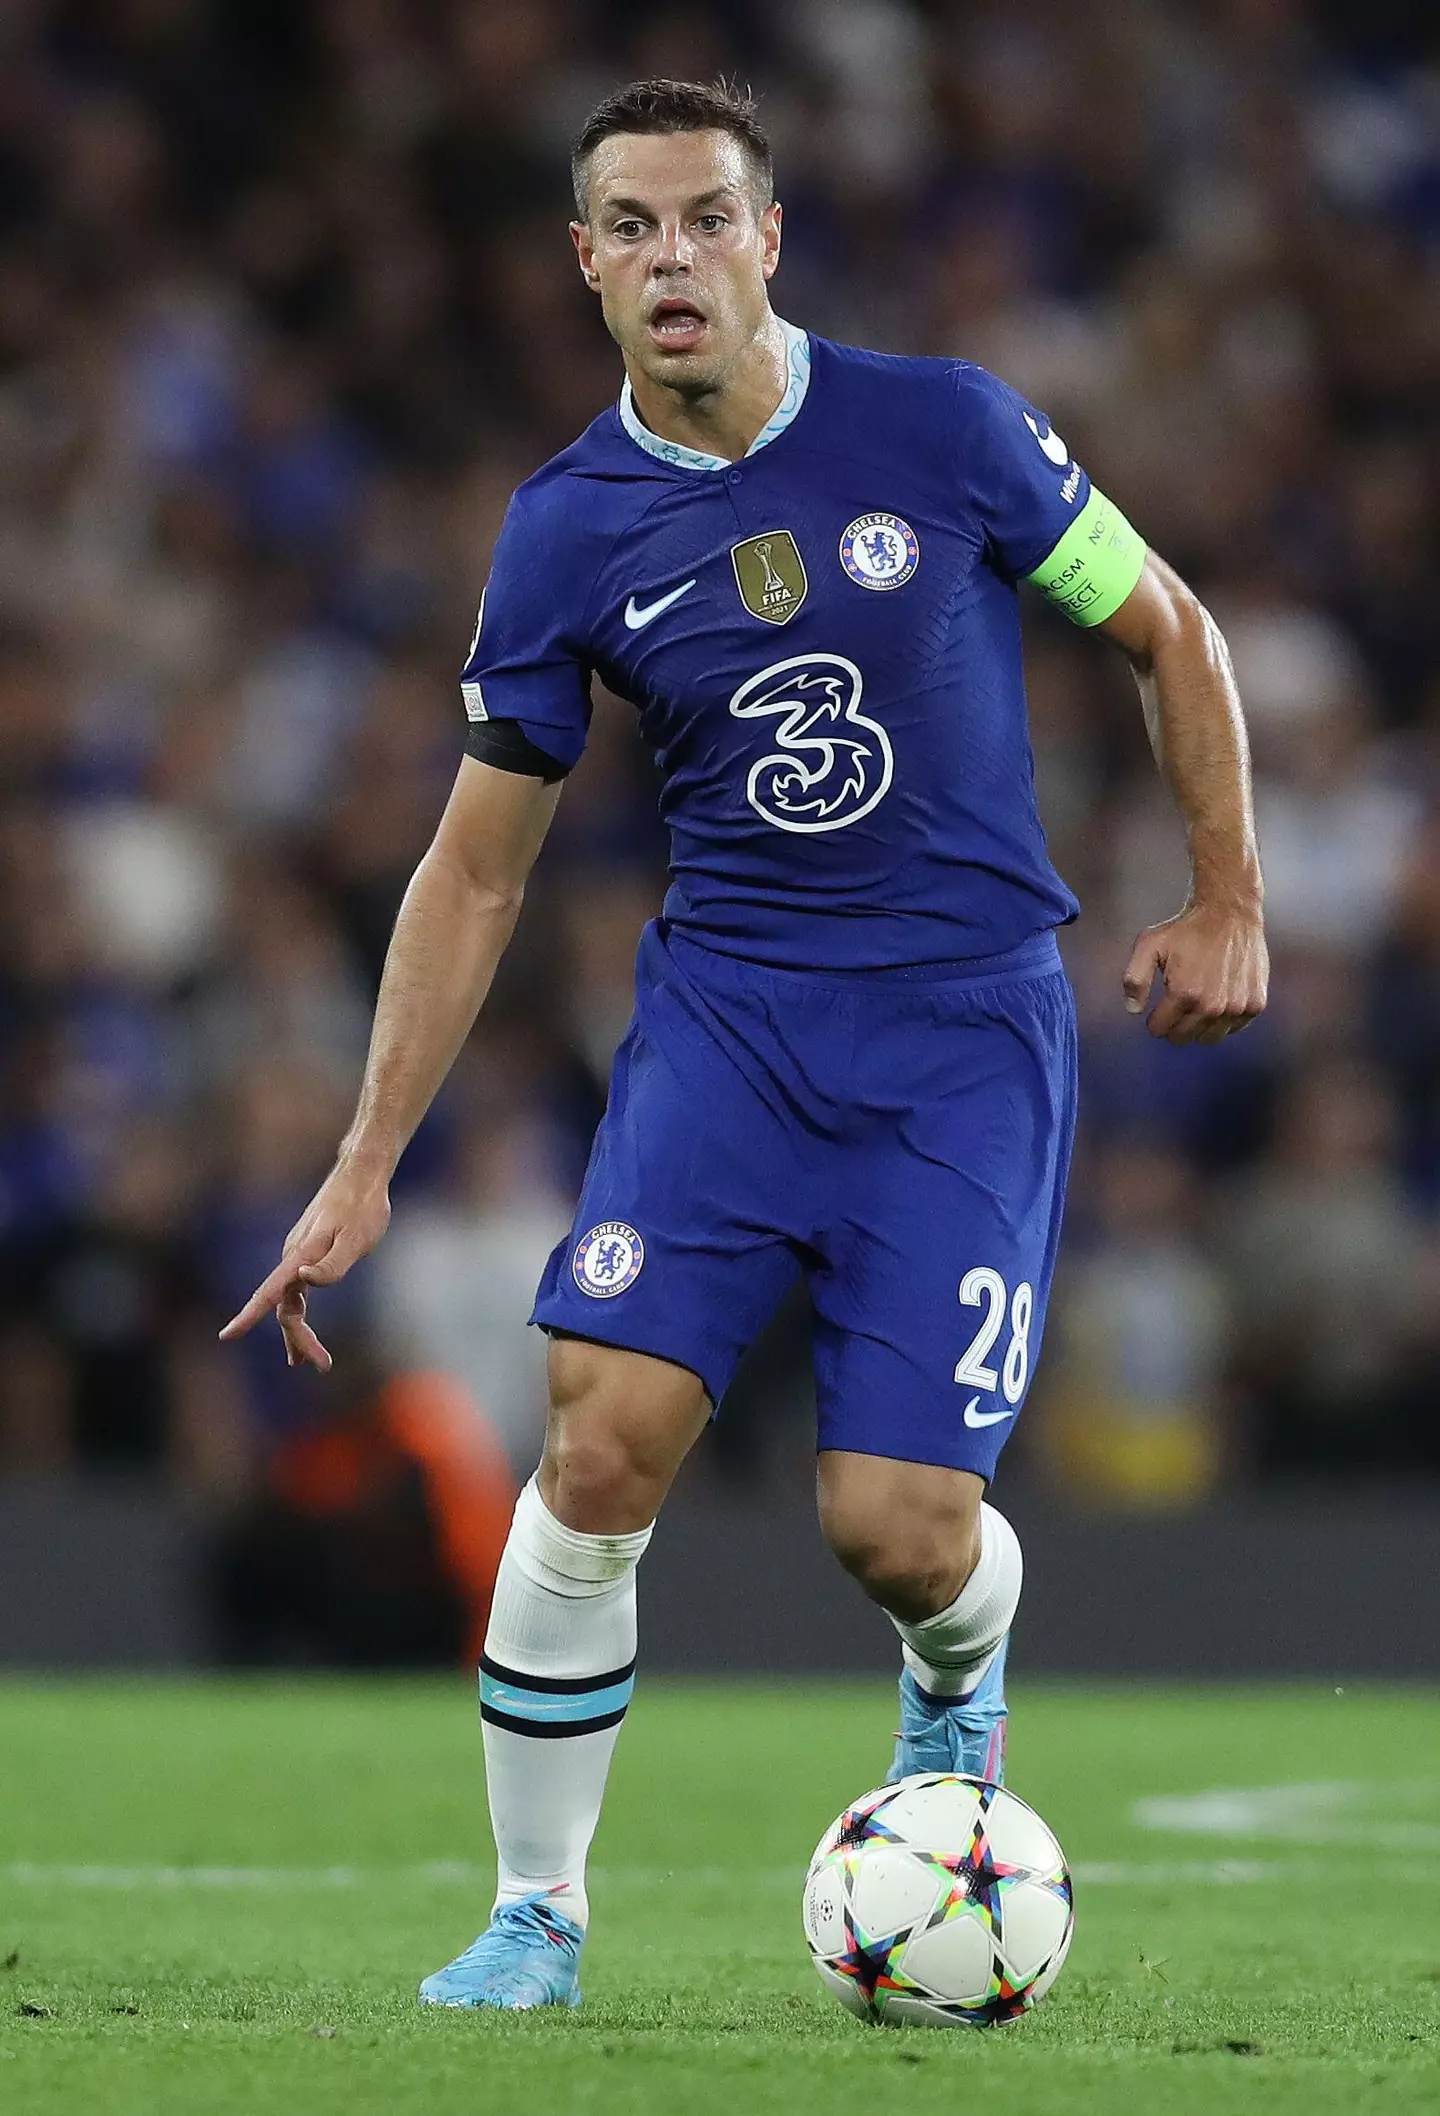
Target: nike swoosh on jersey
x: 975, y: 1417
x: 1051, y: 442
x: 637, y: 616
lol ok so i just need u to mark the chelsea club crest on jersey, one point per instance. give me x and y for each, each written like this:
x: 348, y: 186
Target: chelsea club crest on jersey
x: 608, y: 1259
x: 879, y: 551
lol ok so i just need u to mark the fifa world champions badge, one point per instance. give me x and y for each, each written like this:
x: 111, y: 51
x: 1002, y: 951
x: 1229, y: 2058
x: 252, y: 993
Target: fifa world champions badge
x: 879, y: 551
x: 608, y: 1260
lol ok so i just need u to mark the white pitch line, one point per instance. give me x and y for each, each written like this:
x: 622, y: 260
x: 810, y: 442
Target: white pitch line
x: 1312, y: 1815
x: 1215, y: 1873
x: 1331, y: 1812
x: 25, y: 1874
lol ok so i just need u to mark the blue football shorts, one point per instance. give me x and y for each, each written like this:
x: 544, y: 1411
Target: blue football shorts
x: 900, y: 1139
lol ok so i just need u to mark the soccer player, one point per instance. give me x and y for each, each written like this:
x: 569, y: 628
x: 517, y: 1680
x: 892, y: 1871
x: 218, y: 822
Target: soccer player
x: 853, y: 1051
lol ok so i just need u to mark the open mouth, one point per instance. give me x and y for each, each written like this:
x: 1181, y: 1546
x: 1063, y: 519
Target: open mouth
x: 677, y: 325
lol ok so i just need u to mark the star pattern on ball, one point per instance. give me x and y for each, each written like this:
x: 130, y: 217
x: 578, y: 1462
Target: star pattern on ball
x: 861, y: 1824
x: 977, y: 1879
x: 868, y: 1962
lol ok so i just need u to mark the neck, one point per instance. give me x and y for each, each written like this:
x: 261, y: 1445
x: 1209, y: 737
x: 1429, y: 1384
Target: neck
x: 725, y: 419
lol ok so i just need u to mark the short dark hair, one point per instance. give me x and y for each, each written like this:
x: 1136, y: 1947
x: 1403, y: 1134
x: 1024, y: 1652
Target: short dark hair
x: 673, y: 106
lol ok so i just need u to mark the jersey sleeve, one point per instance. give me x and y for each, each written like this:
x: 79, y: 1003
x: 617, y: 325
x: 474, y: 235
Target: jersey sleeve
x: 527, y: 664
x: 1043, y: 519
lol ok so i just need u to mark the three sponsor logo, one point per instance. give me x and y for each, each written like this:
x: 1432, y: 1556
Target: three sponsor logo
x: 832, y: 763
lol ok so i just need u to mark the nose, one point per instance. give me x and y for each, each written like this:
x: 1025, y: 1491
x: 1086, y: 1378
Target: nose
x: 674, y: 252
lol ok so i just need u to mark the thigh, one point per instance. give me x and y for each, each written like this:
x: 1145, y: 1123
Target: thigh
x: 930, y: 1304
x: 684, y: 1237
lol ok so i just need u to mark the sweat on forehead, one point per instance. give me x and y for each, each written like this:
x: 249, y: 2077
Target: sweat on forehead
x: 683, y: 116
x: 689, y: 171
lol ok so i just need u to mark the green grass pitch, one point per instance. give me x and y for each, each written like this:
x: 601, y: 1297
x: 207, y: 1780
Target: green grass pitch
x: 219, y: 1898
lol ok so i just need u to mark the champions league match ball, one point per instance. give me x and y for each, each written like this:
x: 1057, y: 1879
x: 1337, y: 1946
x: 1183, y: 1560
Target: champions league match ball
x: 938, y: 1902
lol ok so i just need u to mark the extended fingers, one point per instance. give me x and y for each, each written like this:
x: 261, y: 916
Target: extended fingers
x: 302, y: 1346
x: 266, y: 1297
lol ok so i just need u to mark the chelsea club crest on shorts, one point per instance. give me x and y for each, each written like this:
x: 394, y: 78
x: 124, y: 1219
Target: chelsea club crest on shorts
x: 608, y: 1260
x: 879, y: 551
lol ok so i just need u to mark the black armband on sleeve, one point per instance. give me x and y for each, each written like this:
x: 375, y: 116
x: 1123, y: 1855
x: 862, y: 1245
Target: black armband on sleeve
x: 505, y: 744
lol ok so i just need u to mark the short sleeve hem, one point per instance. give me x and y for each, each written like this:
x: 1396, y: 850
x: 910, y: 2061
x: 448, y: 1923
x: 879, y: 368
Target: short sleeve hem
x: 505, y: 745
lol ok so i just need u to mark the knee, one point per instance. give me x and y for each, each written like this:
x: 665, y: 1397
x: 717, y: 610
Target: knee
x: 591, y: 1478
x: 912, y: 1567
x: 606, y: 1465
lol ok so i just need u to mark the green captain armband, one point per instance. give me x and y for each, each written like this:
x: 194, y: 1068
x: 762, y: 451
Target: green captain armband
x: 1095, y: 564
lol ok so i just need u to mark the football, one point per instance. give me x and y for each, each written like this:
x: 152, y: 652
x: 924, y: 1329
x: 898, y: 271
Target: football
x: 938, y: 1902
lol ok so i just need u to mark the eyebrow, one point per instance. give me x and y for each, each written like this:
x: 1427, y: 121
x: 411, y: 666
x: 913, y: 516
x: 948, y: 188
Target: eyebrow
x: 693, y: 205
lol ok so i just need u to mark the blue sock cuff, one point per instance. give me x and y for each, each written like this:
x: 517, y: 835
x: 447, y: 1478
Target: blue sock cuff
x: 553, y: 1707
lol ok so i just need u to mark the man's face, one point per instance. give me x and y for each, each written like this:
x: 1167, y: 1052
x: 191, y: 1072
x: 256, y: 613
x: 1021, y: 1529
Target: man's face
x: 679, y: 247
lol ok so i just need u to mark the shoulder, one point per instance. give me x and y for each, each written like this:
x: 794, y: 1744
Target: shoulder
x: 950, y: 408
x: 884, y: 377
x: 969, y: 392
x: 983, y: 399
x: 585, y: 496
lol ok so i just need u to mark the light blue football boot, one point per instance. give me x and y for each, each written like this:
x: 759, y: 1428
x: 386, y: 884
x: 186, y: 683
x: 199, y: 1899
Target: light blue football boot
x: 938, y: 1734
x: 528, y: 1955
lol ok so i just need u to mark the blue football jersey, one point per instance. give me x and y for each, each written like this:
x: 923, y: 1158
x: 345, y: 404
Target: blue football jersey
x: 822, y: 642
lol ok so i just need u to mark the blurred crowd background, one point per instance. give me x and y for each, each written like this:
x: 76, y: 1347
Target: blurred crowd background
x: 287, y: 308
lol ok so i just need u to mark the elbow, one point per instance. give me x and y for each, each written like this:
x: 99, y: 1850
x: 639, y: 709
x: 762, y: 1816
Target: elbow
x: 496, y: 900
x: 1204, y: 638
x: 502, y: 906
x: 1181, y: 626
x: 486, y: 895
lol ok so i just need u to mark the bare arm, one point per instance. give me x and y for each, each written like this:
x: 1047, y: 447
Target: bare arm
x: 454, y: 924
x: 453, y: 927
x: 1212, y: 955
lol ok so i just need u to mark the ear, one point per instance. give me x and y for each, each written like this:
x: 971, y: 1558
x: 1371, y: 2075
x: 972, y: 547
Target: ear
x: 770, y: 239
x: 585, y: 252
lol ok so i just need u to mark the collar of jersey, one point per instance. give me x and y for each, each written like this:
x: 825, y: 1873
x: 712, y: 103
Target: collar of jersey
x: 797, y: 347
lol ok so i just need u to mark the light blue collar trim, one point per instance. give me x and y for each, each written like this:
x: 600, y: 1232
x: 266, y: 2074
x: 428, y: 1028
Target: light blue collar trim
x: 797, y: 348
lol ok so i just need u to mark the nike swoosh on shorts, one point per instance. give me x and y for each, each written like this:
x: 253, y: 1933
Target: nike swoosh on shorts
x: 976, y: 1417
x: 638, y: 615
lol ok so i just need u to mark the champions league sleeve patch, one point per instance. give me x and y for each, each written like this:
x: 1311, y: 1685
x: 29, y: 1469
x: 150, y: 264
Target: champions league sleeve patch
x: 608, y: 1260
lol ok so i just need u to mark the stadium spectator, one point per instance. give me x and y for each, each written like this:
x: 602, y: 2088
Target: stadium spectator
x: 1323, y: 1251
x: 1136, y: 1403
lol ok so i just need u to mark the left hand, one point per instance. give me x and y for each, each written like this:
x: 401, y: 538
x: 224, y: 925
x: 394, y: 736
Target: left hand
x: 1215, y: 967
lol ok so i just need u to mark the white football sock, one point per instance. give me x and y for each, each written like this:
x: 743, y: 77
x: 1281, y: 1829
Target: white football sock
x: 949, y: 1653
x: 555, y: 1679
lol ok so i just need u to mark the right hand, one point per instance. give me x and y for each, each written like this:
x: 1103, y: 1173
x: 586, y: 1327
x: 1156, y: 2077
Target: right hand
x: 342, y: 1223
